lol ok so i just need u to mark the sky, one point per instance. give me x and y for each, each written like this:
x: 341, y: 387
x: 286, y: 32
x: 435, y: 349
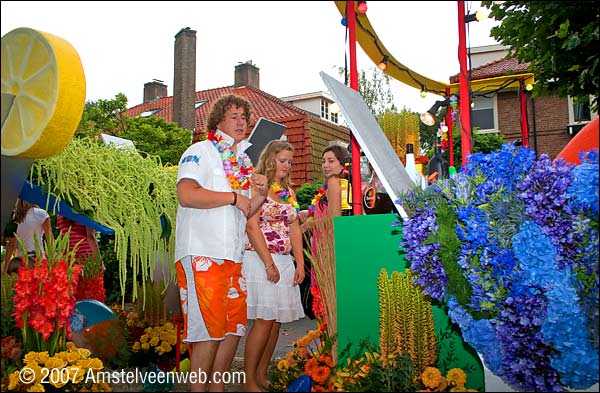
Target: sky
x: 123, y: 45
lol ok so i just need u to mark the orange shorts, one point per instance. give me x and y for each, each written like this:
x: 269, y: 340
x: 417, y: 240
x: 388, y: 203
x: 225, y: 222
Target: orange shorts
x: 213, y: 294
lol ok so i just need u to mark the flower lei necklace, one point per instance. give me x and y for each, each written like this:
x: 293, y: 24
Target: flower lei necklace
x: 238, y: 175
x: 313, y: 204
x: 285, y: 195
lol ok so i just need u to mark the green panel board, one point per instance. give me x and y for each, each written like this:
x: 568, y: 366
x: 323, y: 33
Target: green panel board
x: 363, y: 246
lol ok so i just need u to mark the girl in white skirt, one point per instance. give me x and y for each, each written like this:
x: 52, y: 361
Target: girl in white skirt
x: 272, y: 278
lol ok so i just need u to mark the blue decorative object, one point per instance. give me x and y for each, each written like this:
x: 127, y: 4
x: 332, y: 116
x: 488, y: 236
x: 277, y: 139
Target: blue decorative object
x: 77, y: 321
x: 94, y: 312
x: 302, y: 384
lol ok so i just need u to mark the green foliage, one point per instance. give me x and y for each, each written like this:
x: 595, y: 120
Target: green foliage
x: 155, y: 136
x: 558, y: 38
x: 375, y: 90
x: 125, y: 191
x: 306, y: 192
x: 394, y: 374
x: 7, y: 321
x: 428, y: 134
x: 112, y: 285
x: 103, y: 116
x: 482, y: 143
x: 151, y: 135
x: 449, y: 248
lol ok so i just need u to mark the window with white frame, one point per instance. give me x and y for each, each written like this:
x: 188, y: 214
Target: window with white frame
x: 484, y: 117
x: 579, y: 109
x: 324, y: 109
x: 334, y: 118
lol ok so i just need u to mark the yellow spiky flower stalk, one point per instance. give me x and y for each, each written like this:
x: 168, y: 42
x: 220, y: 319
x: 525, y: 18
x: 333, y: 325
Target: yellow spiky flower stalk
x: 406, y: 319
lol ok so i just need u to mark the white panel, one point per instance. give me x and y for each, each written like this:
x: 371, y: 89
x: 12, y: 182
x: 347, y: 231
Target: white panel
x: 371, y: 139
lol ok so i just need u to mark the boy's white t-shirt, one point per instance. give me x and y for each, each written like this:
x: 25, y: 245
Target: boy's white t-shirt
x: 218, y: 232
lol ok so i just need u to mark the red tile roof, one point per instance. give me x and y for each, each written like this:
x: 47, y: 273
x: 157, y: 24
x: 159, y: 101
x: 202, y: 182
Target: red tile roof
x: 496, y: 68
x: 264, y: 105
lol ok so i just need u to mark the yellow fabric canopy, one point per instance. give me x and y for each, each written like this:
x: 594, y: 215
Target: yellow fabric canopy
x: 375, y: 50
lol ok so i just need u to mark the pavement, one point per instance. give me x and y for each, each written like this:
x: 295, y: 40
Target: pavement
x: 288, y: 333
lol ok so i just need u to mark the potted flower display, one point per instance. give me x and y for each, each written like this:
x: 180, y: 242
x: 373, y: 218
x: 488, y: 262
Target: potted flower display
x: 510, y: 244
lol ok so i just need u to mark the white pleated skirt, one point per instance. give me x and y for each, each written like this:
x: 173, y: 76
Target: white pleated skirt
x: 281, y: 301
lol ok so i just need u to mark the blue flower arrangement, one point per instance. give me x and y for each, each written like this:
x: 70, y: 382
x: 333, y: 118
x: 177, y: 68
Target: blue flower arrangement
x: 510, y: 245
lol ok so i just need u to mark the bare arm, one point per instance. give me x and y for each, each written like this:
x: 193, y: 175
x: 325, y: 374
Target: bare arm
x: 298, y: 251
x: 257, y: 239
x: 191, y: 194
x: 334, y: 196
x: 90, y: 236
x: 47, y: 230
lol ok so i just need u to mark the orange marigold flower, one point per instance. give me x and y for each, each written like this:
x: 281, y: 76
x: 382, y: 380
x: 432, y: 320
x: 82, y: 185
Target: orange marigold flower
x: 321, y: 374
x: 431, y: 377
x: 457, y: 377
x: 310, y: 366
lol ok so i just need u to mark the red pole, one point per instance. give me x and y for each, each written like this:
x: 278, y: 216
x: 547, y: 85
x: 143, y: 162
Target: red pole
x: 450, y: 125
x: 465, y: 94
x: 356, y: 180
x: 524, y: 124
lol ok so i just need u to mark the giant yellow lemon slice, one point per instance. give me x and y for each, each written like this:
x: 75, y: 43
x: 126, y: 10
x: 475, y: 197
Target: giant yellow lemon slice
x: 44, y: 74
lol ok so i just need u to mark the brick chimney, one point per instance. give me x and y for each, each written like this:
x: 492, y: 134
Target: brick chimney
x: 184, y: 85
x: 154, y: 90
x: 246, y: 74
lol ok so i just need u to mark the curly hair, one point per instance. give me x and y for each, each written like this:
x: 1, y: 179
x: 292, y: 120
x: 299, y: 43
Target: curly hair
x: 217, y: 112
x: 266, y: 161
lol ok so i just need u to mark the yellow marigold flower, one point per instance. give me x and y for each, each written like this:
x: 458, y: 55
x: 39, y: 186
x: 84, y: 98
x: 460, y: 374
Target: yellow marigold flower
x: 55, y: 362
x: 172, y: 339
x: 38, y: 387
x: 148, y: 330
x: 431, y: 377
x: 76, y: 374
x: 31, y: 357
x: 13, y: 380
x: 96, y: 364
x: 84, y: 352
x: 84, y: 363
x: 457, y: 377
x: 144, y: 338
x: 62, y: 355
x: 71, y: 346
x: 154, y: 341
x: 136, y: 346
x: 34, y: 369
x: 145, y: 346
x: 282, y: 365
x: 169, y: 325
x: 59, y: 381
x: 72, y: 357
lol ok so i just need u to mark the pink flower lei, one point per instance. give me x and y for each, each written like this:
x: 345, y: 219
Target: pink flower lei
x: 238, y: 175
